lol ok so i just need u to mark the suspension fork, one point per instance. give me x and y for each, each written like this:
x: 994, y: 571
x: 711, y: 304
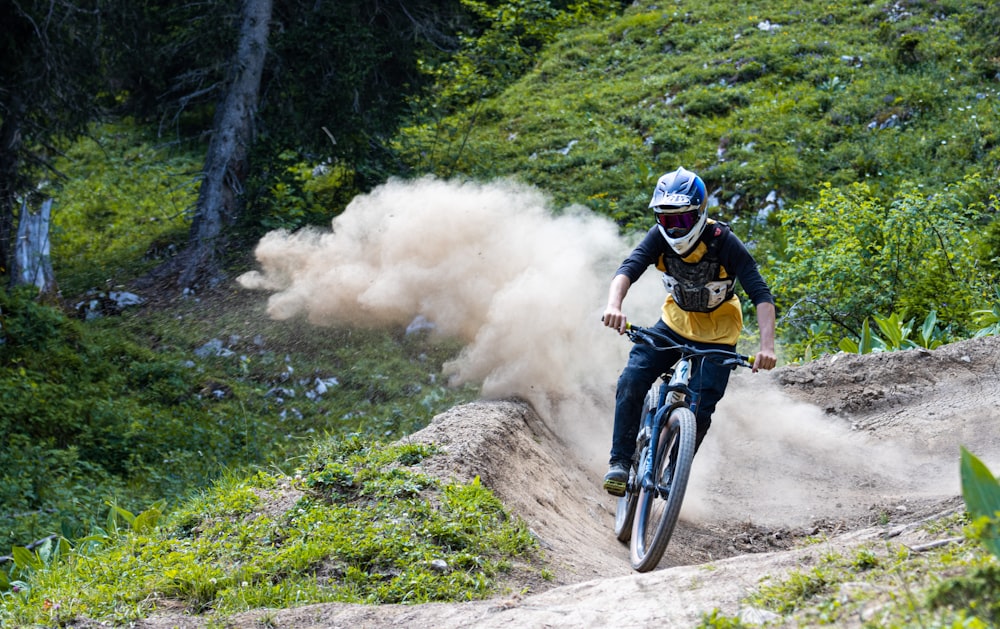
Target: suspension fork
x: 656, y: 426
x: 672, y: 395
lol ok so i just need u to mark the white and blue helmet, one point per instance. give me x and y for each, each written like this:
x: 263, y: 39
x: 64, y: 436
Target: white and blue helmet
x: 678, y: 203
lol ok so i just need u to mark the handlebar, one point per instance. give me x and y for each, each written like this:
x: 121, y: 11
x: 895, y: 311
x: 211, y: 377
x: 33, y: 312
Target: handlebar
x: 639, y: 334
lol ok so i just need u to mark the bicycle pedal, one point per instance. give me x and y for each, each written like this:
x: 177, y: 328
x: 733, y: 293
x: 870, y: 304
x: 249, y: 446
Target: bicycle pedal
x: 615, y: 487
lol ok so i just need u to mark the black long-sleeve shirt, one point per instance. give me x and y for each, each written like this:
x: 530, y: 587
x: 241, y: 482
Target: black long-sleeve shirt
x: 723, y: 324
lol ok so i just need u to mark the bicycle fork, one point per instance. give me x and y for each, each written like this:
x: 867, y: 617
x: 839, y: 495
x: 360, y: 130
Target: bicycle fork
x: 652, y: 429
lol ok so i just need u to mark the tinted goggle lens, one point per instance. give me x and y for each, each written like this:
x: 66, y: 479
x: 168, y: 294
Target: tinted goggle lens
x: 677, y: 224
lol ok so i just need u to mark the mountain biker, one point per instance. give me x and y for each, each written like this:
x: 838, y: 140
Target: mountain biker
x: 700, y: 259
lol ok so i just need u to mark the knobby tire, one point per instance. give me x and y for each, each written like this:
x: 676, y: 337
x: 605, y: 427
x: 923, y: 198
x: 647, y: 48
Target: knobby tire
x: 625, y: 512
x: 656, y: 516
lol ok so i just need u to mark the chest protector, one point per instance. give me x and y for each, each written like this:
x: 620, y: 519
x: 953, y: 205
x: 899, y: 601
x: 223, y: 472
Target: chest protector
x: 701, y: 285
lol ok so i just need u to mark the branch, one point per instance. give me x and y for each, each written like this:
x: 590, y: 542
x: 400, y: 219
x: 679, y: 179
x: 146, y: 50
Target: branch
x: 935, y: 544
x: 831, y: 315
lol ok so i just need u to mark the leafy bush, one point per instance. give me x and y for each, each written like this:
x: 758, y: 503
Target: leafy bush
x: 895, y: 335
x: 988, y: 321
x: 360, y: 522
x: 298, y: 192
x: 850, y: 255
x: 982, y: 498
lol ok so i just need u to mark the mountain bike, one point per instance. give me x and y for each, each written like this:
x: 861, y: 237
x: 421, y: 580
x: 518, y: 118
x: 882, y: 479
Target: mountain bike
x: 665, y: 446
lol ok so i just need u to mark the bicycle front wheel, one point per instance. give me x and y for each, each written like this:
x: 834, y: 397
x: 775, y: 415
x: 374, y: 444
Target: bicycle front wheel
x: 659, y: 506
x: 625, y: 512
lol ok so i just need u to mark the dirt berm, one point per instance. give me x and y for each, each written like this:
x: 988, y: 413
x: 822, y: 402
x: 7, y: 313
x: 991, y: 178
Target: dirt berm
x: 850, y: 448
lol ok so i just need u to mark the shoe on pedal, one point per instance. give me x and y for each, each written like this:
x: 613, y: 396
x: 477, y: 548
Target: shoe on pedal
x: 616, y: 479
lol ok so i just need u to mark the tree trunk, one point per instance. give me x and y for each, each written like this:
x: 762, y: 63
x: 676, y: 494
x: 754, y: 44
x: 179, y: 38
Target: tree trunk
x: 32, y: 264
x: 10, y: 141
x: 226, y: 165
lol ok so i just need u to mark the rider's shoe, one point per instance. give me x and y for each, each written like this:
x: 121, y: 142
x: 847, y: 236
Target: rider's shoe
x: 616, y: 479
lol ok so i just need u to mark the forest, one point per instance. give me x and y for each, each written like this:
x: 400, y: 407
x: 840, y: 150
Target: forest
x: 854, y: 147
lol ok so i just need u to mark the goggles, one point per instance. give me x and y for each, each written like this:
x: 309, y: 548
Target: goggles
x: 676, y: 224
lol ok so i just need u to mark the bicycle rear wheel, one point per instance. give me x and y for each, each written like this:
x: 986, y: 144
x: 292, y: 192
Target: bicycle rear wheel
x: 657, y: 508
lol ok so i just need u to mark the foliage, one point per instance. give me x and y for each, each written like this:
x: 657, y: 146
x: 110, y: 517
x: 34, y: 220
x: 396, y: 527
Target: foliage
x: 794, y: 115
x: 339, y: 74
x: 301, y: 194
x: 53, y: 92
x: 327, y: 125
x: 364, y: 516
x: 758, y: 97
x: 53, y: 398
x: 134, y: 408
x: 335, y: 83
x: 988, y: 320
x: 865, y: 344
x: 978, y: 590
x: 949, y: 586
x: 499, y: 48
x: 124, y: 207
x: 895, y: 335
x: 716, y: 620
x: 850, y: 256
x: 91, y: 414
x: 503, y: 42
x: 989, y: 247
x: 982, y: 498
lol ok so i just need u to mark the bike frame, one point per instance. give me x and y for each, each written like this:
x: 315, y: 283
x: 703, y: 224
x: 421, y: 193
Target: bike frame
x: 671, y: 394
x: 674, y: 392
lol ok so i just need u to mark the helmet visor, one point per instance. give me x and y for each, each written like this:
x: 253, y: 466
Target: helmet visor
x: 677, y: 224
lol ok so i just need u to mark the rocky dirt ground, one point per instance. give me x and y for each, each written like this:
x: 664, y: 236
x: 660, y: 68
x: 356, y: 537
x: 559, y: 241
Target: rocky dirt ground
x: 852, y: 448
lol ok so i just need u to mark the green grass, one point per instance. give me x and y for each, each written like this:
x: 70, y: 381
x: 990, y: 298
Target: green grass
x: 885, y: 584
x: 129, y: 409
x: 669, y: 84
x: 123, y: 207
x: 359, y: 522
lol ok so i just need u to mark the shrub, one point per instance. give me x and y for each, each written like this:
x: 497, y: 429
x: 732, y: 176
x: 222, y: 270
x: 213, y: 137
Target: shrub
x: 851, y: 255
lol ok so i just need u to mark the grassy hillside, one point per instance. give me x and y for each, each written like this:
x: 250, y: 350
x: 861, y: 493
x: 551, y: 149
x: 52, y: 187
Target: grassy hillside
x: 783, y: 107
x: 755, y: 96
x: 890, y: 109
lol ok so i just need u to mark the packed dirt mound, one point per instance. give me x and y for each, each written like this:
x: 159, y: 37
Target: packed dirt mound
x: 895, y: 391
x: 855, y: 447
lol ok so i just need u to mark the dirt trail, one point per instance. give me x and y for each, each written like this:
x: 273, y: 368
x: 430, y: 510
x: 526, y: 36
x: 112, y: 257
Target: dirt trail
x: 848, y: 446
x: 856, y: 447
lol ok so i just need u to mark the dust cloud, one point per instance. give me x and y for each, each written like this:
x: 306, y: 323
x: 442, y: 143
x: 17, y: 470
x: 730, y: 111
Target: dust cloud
x: 769, y: 459
x: 521, y: 285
